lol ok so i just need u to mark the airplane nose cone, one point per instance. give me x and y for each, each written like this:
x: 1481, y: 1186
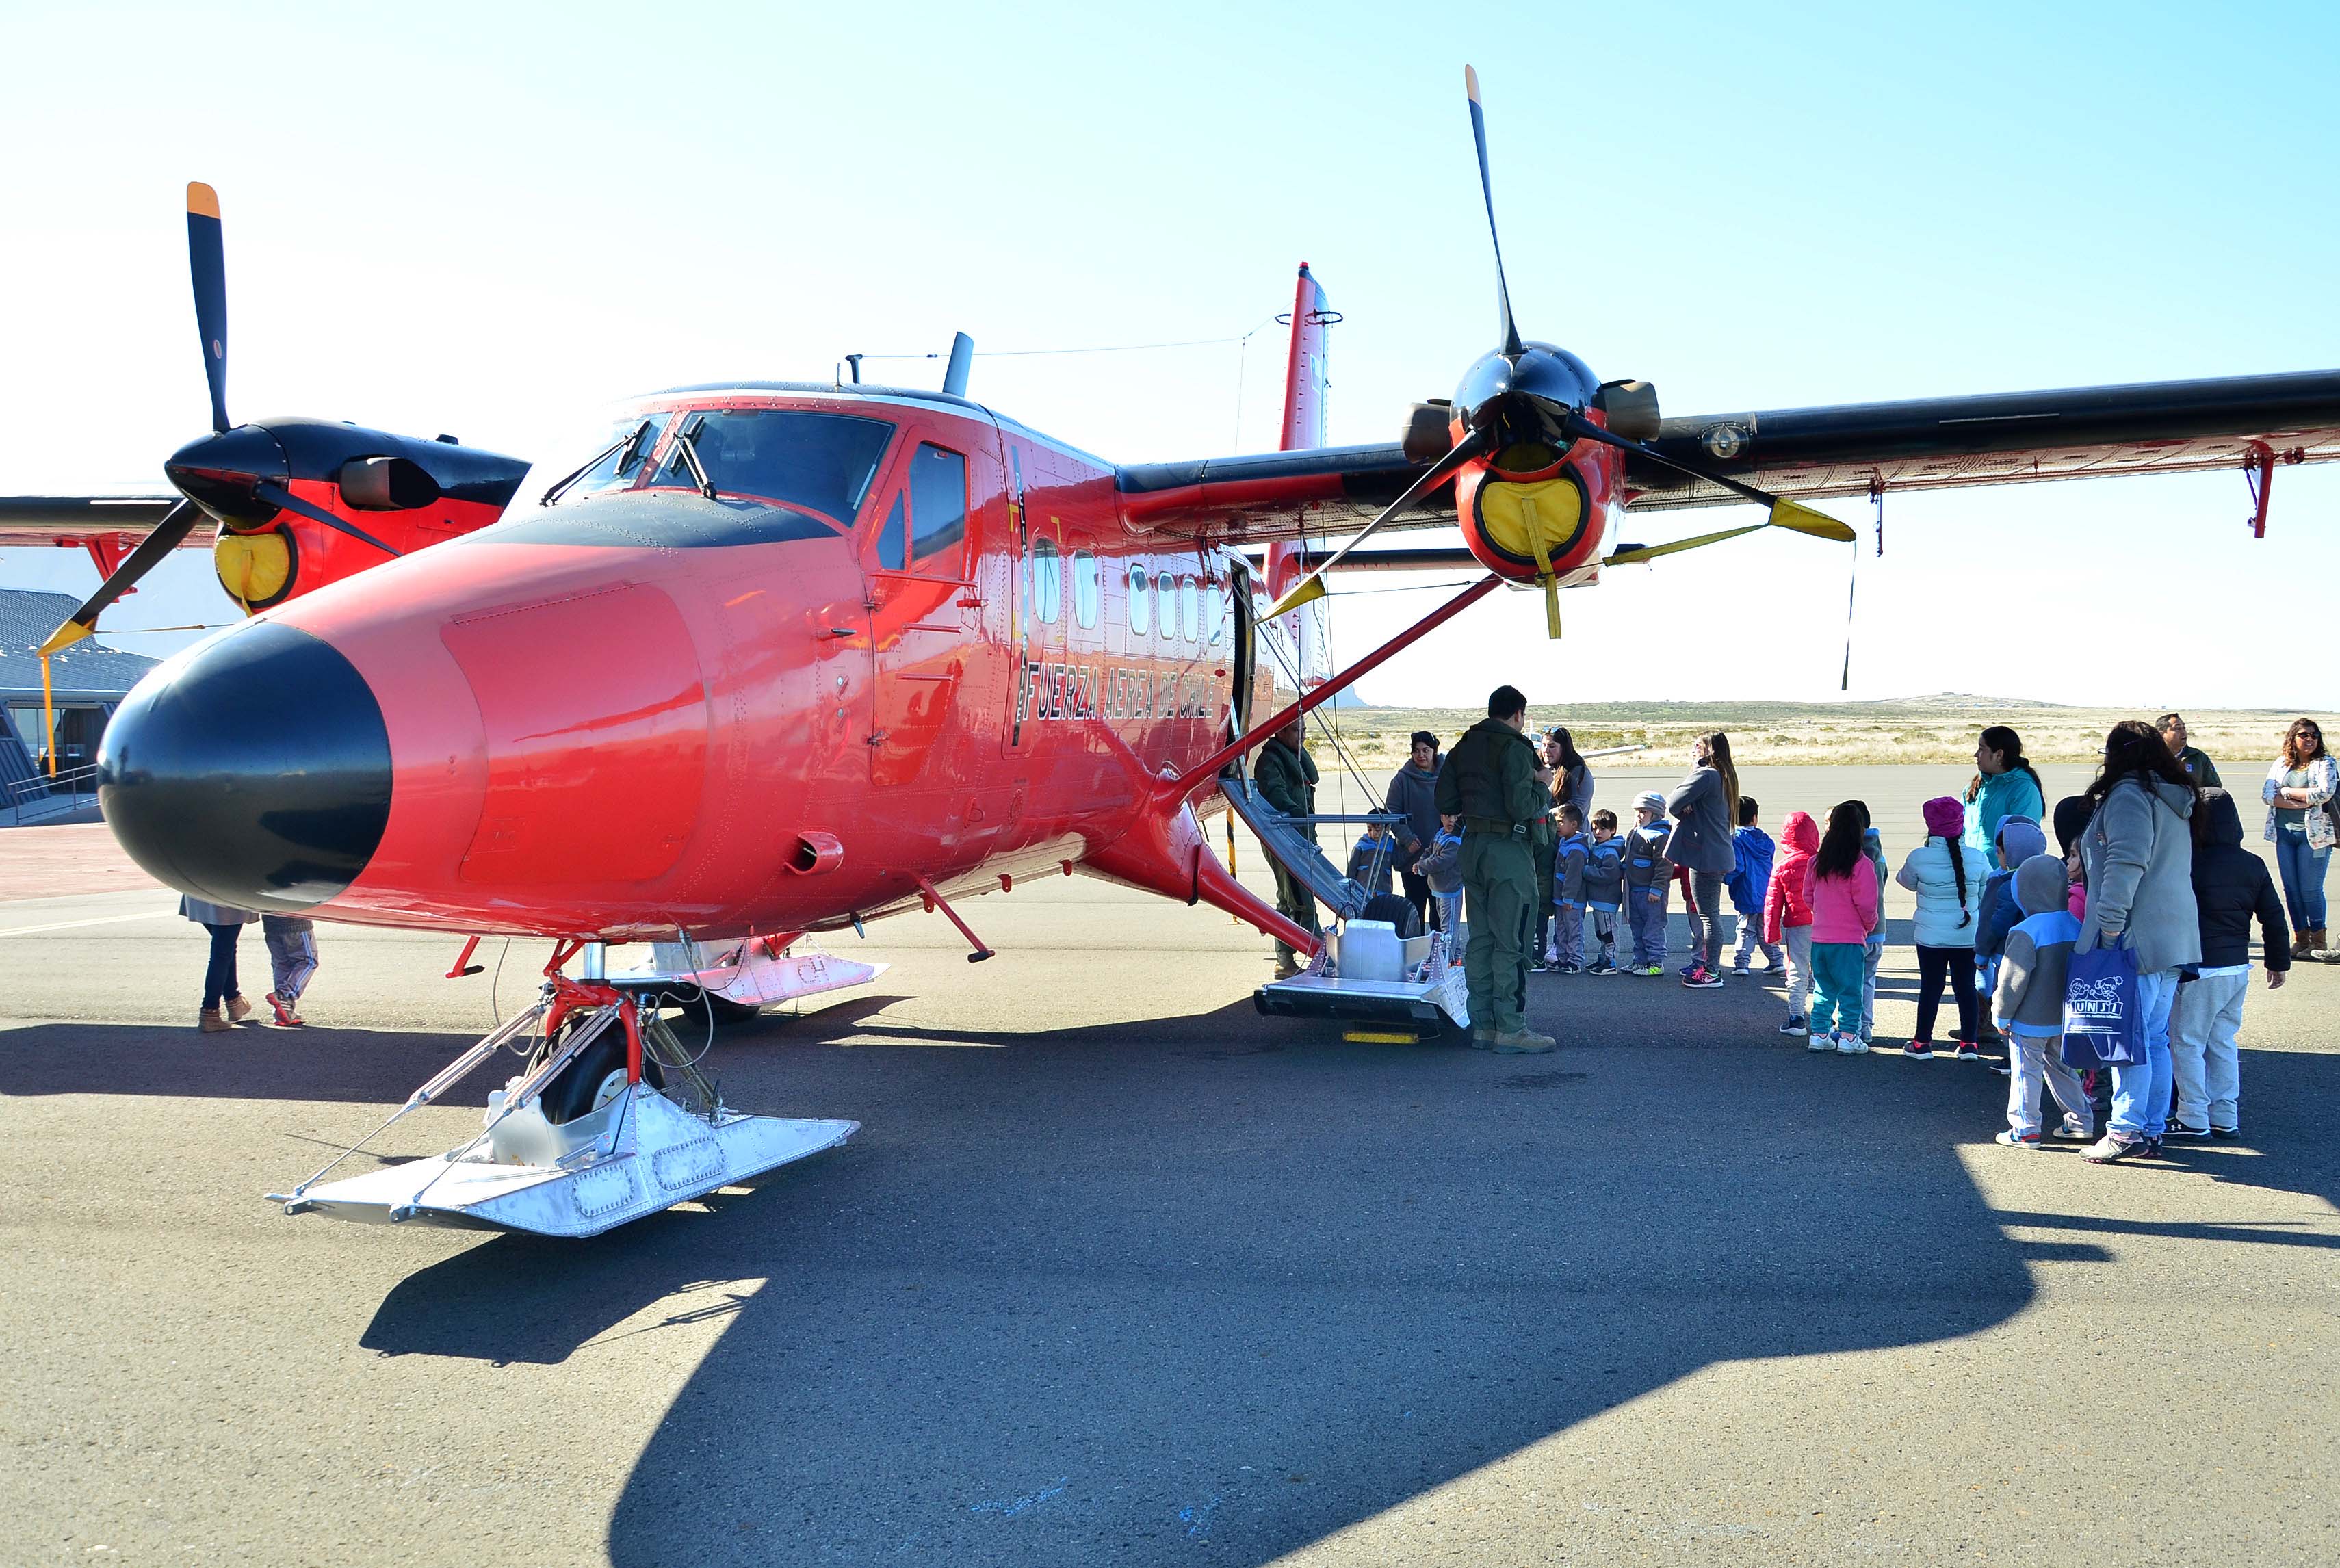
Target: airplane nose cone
x: 252, y: 769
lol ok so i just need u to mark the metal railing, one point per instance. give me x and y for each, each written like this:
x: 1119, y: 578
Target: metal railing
x: 28, y: 799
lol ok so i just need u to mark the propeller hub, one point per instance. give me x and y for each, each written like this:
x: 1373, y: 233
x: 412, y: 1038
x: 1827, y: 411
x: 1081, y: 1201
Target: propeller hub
x: 220, y: 473
x: 1525, y: 399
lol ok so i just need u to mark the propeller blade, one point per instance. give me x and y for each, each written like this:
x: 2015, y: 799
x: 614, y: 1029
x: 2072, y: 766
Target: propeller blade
x: 1487, y: 189
x: 1313, y: 585
x: 174, y: 529
x: 207, y: 264
x: 277, y: 495
x: 1640, y: 552
x: 1793, y: 515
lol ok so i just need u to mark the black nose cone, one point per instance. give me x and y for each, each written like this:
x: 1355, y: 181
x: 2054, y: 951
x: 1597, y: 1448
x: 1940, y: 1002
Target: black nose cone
x: 254, y: 771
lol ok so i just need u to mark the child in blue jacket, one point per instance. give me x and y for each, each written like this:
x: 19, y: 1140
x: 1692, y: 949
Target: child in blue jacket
x: 1442, y: 867
x: 1751, y: 881
x: 1371, y: 858
x: 1648, y: 881
x: 1569, y: 857
x: 1604, y: 888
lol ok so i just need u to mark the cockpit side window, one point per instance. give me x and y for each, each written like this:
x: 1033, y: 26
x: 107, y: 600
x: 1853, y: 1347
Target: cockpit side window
x: 823, y: 462
x: 938, y: 501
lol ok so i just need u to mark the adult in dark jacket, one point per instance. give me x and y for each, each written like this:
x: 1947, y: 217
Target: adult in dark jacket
x: 2138, y: 849
x: 2231, y: 887
x: 1413, y: 790
x: 1703, y: 807
x: 1286, y: 776
x: 2193, y: 758
x: 1490, y: 782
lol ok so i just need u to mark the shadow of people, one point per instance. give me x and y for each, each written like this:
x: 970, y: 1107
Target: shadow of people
x: 1105, y: 1292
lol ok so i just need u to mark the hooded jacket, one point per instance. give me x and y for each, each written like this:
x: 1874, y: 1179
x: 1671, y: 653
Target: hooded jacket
x: 2231, y: 885
x: 1605, y: 873
x: 1943, y: 921
x: 1844, y: 908
x: 2019, y: 839
x: 1371, y: 861
x: 1647, y: 867
x: 1750, y: 876
x: 1442, y: 863
x: 1568, y: 867
x: 1414, y: 791
x: 2139, y: 855
x: 2002, y: 794
x: 2030, y: 998
x: 1785, y: 902
x: 1701, y: 839
x: 1286, y: 776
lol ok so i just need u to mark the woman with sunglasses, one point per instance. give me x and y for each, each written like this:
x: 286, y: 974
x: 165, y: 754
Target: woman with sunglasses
x: 2299, y: 793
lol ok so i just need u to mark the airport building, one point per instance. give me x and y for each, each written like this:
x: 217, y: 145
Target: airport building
x: 87, y: 682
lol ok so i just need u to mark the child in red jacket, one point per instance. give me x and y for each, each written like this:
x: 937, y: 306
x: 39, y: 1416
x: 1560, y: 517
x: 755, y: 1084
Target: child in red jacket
x: 1788, y: 913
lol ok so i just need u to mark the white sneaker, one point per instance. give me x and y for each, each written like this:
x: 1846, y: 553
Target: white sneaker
x: 1820, y: 1042
x: 1851, y: 1045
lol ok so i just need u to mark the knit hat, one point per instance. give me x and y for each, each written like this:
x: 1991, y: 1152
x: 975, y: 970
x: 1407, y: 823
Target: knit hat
x: 2072, y: 815
x: 2020, y: 837
x: 1946, y: 816
x: 1651, y: 799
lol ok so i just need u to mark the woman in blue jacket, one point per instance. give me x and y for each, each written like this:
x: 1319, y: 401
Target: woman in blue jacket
x: 2004, y: 785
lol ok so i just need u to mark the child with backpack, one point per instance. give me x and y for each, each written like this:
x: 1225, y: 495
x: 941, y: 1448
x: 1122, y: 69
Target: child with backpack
x: 1604, y: 888
x: 1946, y: 874
x: 2029, y: 1002
x: 1649, y: 879
x: 1751, y: 852
x: 1843, y: 893
x: 1569, y: 855
x: 1788, y: 913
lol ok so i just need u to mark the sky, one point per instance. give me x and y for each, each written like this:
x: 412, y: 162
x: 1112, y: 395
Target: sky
x: 496, y: 221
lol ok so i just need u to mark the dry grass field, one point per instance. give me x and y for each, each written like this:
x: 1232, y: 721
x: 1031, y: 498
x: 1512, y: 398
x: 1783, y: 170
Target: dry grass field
x: 1919, y: 730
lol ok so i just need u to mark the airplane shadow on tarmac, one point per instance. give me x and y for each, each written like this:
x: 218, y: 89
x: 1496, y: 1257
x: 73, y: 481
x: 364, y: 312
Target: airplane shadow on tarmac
x: 1214, y: 1287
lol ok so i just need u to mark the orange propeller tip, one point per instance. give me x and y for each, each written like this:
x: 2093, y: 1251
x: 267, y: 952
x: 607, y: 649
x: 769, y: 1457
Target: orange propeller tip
x: 201, y: 199
x: 1471, y: 84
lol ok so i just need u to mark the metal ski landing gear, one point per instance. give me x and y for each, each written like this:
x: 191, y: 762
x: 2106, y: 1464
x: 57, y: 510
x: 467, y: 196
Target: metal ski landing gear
x: 611, y: 1120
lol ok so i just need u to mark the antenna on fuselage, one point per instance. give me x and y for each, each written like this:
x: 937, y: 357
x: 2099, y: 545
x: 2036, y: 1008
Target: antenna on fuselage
x: 962, y: 360
x: 855, y: 361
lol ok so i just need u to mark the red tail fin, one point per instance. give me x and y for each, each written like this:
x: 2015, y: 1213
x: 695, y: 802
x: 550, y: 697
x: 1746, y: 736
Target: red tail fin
x: 1304, y: 372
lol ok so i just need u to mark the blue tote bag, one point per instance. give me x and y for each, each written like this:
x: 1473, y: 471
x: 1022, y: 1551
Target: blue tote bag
x: 2104, y: 1022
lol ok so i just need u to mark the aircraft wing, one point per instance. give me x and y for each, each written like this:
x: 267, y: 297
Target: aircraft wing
x: 2002, y: 438
x: 1276, y: 495
x: 1835, y: 450
x: 30, y: 520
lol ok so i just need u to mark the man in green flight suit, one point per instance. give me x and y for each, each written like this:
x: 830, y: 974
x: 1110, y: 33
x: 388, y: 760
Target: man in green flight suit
x: 1491, y: 781
x: 1286, y: 776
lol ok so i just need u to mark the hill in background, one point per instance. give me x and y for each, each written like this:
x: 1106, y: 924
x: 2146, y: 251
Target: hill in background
x: 1941, y: 727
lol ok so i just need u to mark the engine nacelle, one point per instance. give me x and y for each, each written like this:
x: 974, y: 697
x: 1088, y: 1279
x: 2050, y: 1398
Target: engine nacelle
x: 1565, y: 507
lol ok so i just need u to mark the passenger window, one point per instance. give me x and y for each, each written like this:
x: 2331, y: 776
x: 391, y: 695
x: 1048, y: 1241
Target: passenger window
x: 1048, y: 582
x: 891, y: 546
x: 1190, y: 611
x: 1087, y: 588
x: 1214, y: 610
x: 937, y: 500
x: 1141, y: 602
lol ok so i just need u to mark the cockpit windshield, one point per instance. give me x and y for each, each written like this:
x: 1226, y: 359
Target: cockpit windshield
x: 629, y: 446
x: 823, y: 462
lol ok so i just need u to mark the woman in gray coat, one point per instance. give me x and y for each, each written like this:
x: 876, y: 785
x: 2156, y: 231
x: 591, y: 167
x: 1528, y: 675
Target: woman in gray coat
x: 2138, y: 853
x: 1703, y: 807
x: 224, y: 1003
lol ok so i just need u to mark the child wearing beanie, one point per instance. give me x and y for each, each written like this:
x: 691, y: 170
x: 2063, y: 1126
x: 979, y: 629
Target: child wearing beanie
x: 1649, y: 878
x: 2016, y: 839
x: 1948, y: 876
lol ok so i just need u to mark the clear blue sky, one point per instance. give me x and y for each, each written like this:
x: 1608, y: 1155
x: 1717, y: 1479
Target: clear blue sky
x: 492, y: 220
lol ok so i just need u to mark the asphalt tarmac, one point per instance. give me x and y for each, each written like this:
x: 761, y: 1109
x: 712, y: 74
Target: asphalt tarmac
x: 1118, y: 1272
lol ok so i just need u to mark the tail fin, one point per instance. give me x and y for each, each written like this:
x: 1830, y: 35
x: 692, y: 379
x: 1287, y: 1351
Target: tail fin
x: 1303, y: 373
x: 1304, y: 427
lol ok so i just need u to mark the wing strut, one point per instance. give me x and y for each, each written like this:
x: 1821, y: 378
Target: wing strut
x: 1199, y: 776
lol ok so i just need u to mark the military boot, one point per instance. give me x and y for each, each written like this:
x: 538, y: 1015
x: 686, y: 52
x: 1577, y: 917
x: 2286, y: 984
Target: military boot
x: 1523, y: 1042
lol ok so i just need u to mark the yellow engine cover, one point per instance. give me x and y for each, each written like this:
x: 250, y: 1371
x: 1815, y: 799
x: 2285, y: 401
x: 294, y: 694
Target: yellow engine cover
x: 1516, y: 517
x: 256, y: 569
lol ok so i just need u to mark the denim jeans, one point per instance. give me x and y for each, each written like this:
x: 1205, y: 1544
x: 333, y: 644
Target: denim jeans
x: 1751, y: 938
x: 218, y: 974
x: 1648, y: 923
x: 1874, y: 956
x: 2141, y: 1090
x: 2303, y: 878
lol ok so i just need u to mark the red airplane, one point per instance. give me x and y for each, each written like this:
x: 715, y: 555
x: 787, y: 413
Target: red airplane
x: 788, y: 657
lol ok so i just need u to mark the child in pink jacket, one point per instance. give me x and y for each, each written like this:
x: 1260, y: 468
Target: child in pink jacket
x: 1841, y: 887
x: 1788, y: 913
